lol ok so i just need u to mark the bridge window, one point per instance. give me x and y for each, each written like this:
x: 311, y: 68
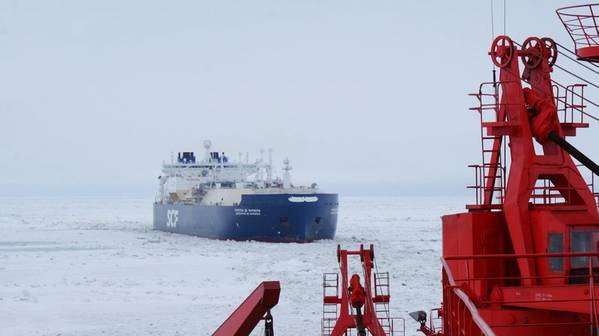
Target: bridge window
x: 584, y: 241
x: 556, y: 245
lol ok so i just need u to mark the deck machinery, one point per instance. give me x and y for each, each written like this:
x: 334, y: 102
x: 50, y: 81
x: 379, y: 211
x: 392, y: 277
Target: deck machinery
x: 356, y: 305
x: 348, y: 306
x: 523, y: 260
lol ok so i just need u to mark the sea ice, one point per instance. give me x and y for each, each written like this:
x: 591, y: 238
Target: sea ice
x: 93, y: 266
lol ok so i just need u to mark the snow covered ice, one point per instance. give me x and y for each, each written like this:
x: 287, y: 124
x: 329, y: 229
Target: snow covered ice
x: 94, y: 266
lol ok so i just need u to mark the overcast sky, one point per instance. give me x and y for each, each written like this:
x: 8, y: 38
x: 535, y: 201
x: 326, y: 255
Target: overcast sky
x: 358, y: 94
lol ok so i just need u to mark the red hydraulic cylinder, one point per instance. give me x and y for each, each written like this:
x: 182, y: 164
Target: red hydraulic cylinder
x: 357, y: 295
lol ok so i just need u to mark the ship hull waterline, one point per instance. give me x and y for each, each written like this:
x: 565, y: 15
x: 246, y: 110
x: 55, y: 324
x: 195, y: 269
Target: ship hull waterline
x: 259, y: 217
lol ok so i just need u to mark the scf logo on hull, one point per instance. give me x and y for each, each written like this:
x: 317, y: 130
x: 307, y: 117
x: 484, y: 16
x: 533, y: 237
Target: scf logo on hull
x: 172, y: 216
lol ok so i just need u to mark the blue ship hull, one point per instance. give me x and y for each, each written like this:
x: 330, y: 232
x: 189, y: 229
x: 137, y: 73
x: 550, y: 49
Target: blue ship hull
x: 269, y: 217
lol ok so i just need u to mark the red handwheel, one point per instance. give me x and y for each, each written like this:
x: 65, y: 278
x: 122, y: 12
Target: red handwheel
x: 551, y: 48
x: 502, y: 51
x: 532, y: 52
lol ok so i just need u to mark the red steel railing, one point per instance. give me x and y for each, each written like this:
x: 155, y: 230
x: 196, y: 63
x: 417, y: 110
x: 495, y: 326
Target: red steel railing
x: 581, y: 23
x: 581, y: 277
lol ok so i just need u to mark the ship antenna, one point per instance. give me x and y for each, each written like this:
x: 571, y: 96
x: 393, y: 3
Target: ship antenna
x: 494, y: 70
x: 492, y: 21
x: 260, y: 165
x: 239, y: 167
x: 207, y: 145
x: 269, y: 168
x: 504, y: 16
x: 286, y: 174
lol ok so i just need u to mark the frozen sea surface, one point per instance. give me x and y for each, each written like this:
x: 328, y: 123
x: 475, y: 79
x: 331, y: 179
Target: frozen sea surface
x: 93, y: 266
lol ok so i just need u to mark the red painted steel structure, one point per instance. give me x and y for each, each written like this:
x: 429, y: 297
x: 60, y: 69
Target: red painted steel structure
x: 581, y: 23
x: 364, y: 308
x: 355, y: 304
x: 255, y: 308
x: 523, y: 259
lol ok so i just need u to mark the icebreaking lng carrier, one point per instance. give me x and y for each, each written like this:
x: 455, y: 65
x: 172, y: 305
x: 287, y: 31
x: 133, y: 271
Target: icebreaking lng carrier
x: 218, y: 198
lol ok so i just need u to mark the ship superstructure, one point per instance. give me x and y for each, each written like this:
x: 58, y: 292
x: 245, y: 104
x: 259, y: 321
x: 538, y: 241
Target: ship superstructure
x: 217, y: 197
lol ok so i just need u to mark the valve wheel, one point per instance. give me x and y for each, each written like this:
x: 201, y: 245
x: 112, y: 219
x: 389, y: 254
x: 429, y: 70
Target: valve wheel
x: 551, y: 48
x: 532, y: 52
x: 502, y: 51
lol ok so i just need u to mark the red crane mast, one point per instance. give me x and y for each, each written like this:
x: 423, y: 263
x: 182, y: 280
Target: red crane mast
x: 524, y: 258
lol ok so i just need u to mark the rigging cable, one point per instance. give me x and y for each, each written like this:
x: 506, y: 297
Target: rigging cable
x: 576, y: 76
x: 577, y: 60
x: 493, y: 68
x: 492, y: 21
x: 504, y: 16
x: 581, y: 97
x: 573, y: 93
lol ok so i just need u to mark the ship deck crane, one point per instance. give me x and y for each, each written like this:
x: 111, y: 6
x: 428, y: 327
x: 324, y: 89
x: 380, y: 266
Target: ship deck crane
x: 524, y: 259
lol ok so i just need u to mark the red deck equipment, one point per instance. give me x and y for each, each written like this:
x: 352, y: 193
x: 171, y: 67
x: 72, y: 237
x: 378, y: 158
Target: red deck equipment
x: 581, y: 23
x: 348, y: 304
x: 255, y: 308
x: 524, y: 258
x: 359, y: 303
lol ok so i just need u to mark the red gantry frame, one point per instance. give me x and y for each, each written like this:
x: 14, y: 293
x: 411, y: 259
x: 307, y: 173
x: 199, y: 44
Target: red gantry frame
x: 523, y: 260
x: 348, y: 305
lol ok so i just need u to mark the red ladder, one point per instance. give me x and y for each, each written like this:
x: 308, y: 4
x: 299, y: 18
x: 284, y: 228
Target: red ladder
x: 489, y: 178
x: 330, y: 311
